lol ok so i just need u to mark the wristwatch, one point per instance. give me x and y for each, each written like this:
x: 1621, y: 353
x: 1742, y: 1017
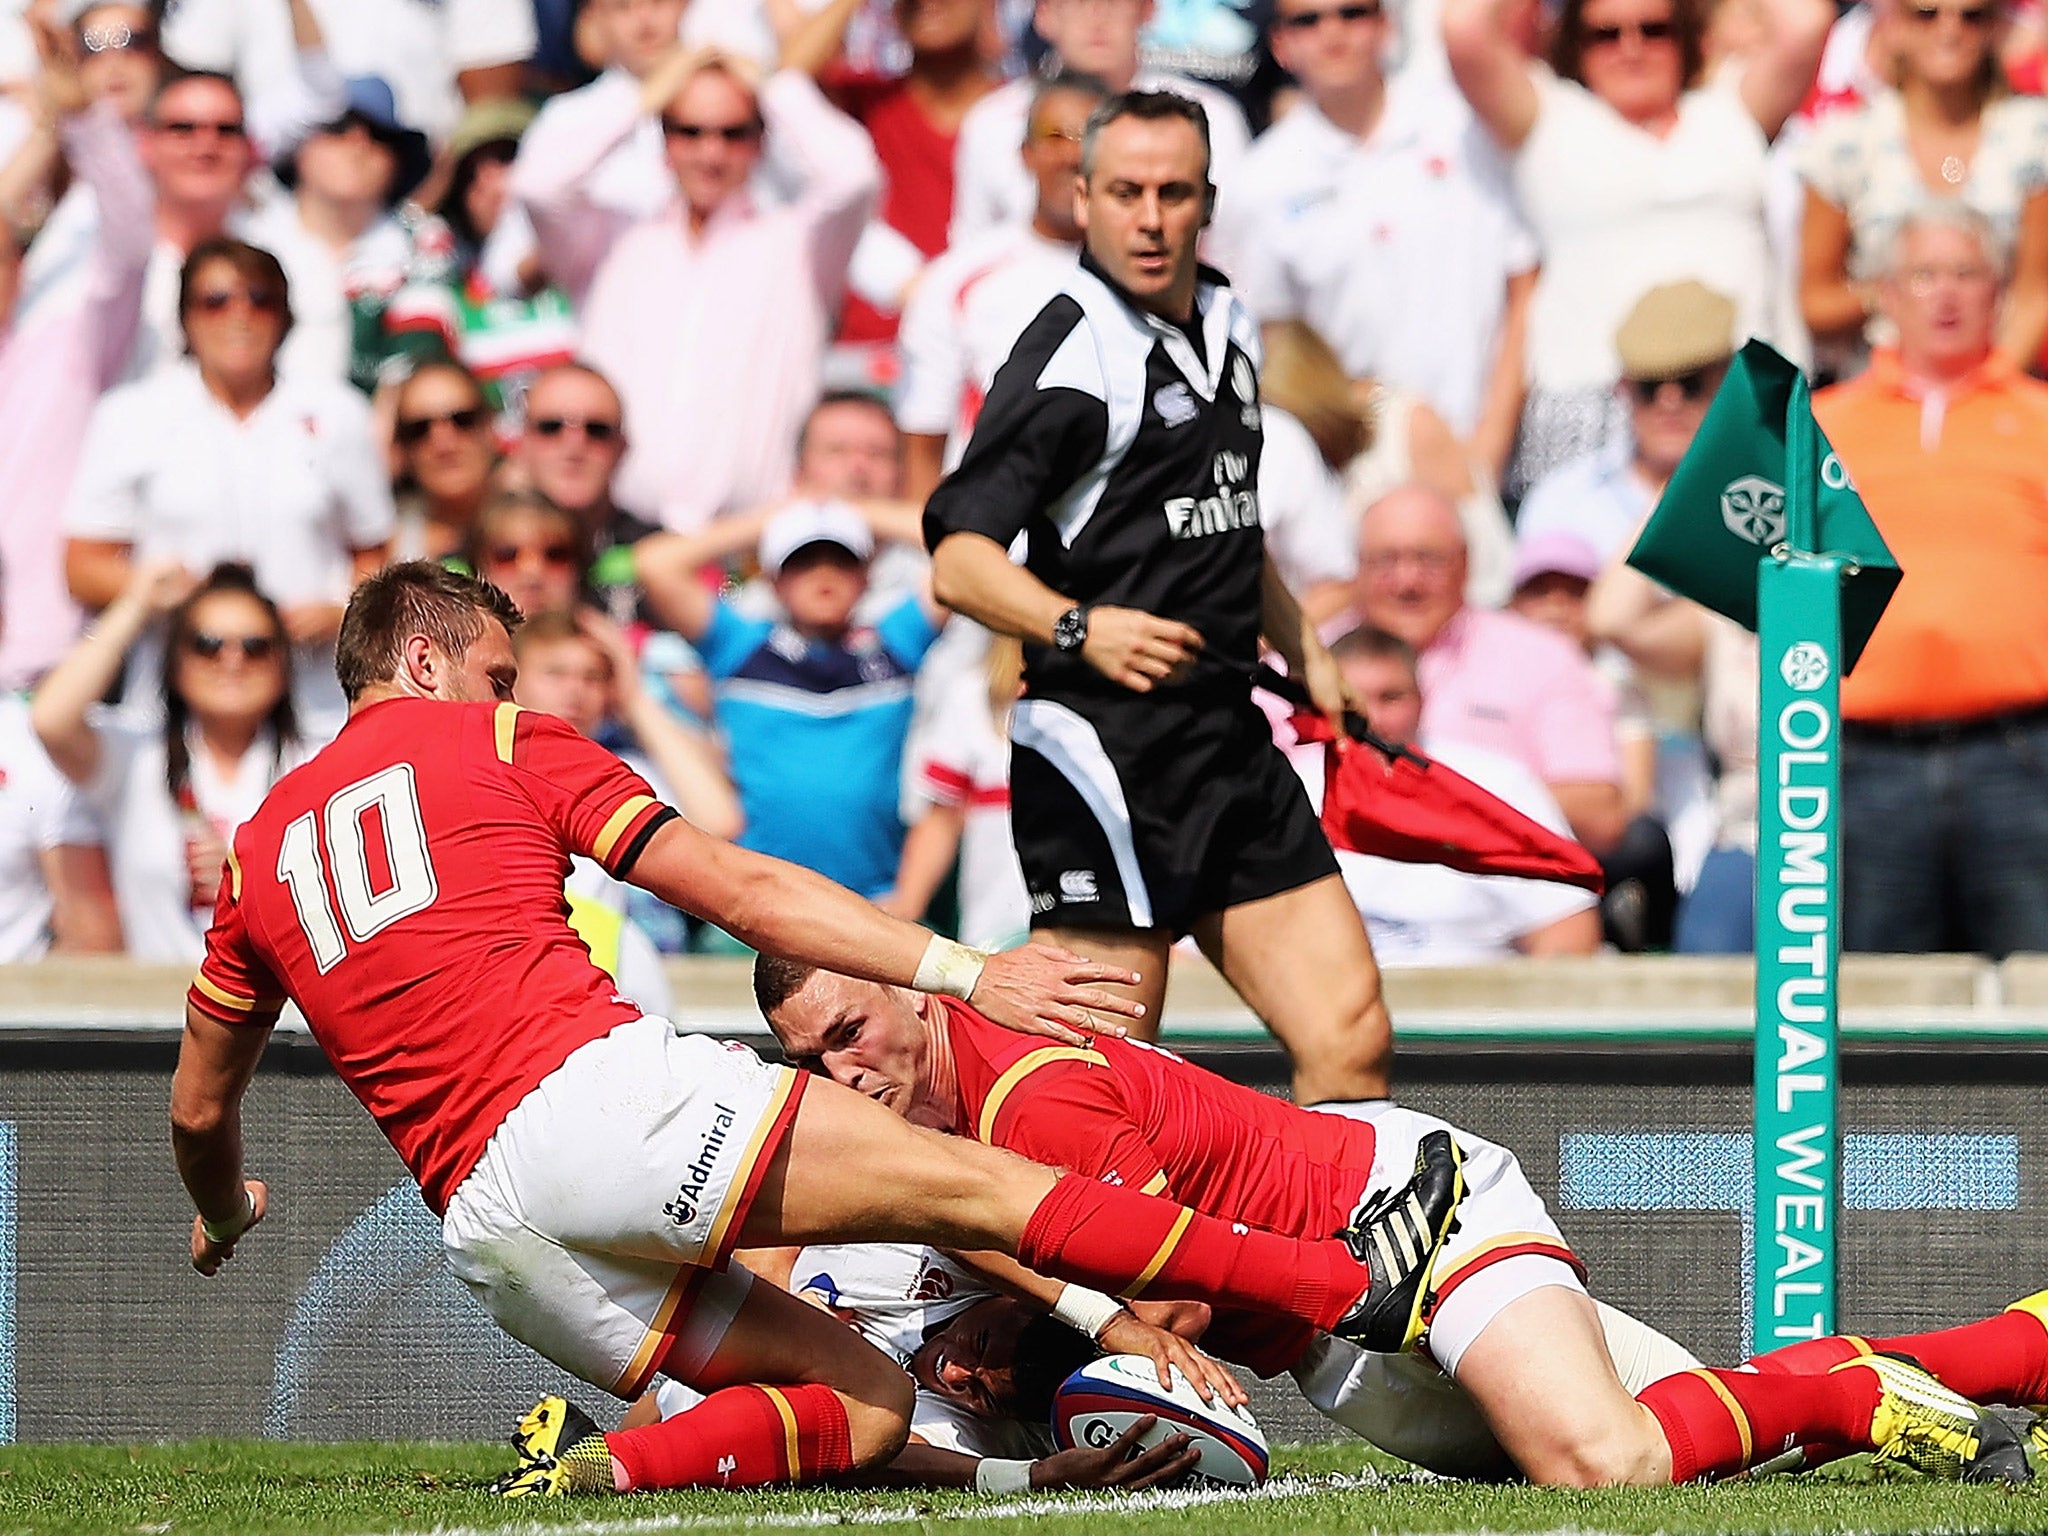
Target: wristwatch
x: 1070, y: 629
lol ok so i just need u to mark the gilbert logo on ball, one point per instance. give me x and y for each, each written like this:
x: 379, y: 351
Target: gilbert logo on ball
x: 1106, y: 1397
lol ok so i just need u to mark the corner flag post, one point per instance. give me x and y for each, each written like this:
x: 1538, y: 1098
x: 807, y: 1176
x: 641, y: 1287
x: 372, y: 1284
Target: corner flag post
x: 1797, y: 1156
x: 1761, y: 524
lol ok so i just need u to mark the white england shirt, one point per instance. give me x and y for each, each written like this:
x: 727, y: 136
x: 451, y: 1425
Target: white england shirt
x: 39, y: 811
x: 1344, y: 233
x: 963, y: 318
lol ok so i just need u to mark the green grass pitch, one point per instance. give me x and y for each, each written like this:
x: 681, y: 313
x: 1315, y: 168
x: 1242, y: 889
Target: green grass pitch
x: 243, y: 1488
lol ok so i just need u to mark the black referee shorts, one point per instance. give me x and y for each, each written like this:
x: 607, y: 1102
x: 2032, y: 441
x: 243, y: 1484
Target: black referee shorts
x: 1153, y: 810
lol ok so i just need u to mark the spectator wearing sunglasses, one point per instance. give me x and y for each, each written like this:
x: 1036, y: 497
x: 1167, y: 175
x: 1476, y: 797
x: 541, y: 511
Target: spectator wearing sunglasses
x: 222, y: 459
x: 171, y: 785
x: 1633, y: 168
x: 1378, y: 211
x: 194, y: 143
x: 569, y: 453
x: 441, y: 429
x: 1951, y: 131
x: 531, y: 550
x: 711, y: 319
x: 1674, y: 346
x: 630, y: 181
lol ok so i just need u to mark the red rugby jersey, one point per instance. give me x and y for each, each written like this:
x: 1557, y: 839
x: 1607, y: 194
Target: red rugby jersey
x: 404, y: 888
x: 1128, y: 1113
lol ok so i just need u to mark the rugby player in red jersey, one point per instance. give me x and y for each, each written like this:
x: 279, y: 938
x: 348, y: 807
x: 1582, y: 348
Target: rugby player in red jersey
x: 594, y: 1169
x: 1509, y: 1319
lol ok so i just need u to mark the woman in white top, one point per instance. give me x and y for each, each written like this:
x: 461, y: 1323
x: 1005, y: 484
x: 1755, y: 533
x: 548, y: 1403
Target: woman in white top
x: 1952, y: 130
x: 222, y: 459
x: 172, y: 785
x: 1632, y: 170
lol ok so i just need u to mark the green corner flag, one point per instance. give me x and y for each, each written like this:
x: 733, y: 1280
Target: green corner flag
x: 1761, y: 523
x: 1726, y: 507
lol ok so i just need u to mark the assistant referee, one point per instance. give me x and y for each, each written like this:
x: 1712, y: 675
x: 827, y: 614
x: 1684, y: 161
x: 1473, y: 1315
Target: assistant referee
x: 1122, y: 437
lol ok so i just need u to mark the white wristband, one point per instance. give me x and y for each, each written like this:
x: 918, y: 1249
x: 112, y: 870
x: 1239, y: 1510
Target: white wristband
x: 228, y: 1231
x: 994, y: 1475
x: 1087, y: 1311
x: 950, y: 968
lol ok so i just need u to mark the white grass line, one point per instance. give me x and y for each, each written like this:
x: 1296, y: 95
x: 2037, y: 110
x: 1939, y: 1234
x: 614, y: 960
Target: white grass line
x: 1006, y: 1509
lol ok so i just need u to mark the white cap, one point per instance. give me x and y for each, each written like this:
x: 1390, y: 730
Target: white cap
x: 814, y: 522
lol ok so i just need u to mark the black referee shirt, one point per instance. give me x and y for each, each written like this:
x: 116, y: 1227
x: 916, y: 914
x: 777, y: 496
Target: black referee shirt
x: 1131, y: 460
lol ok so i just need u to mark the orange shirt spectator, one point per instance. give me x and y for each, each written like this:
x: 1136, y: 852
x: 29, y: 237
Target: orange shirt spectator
x: 1954, y: 478
x: 1945, y: 721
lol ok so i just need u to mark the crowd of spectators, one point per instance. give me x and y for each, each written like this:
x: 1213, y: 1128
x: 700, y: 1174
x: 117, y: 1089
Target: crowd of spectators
x: 667, y: 315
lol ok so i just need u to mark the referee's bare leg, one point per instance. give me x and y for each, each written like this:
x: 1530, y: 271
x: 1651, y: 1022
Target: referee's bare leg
x: 1300, y: 960
x: 1143, y: 950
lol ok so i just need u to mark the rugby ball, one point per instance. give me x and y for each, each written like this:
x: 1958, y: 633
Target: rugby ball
x: 1105, y: 1397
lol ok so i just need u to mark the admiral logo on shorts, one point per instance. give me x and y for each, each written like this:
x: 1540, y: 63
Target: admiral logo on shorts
x: 683, y: 1209
x: 1078, y: 885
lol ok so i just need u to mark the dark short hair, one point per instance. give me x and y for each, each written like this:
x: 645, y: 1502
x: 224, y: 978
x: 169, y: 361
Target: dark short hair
x: 1370, y: 643
x: 555, y: 627
x: 251, y: 263
x: 1688, y: 20
x: 1048, y: 1352
x: 836, y: 397
x: 1146, y: 106
x: 1070, y: 82
x: 777, y: 980
x: 414, y: 597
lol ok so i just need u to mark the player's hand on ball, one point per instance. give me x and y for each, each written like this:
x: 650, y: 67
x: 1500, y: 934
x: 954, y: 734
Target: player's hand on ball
x: 1129, y: 1334
x: 1120, y: 1464
x: 207, y: 1254
x: 1138, y: 650
x: 1040, y: 990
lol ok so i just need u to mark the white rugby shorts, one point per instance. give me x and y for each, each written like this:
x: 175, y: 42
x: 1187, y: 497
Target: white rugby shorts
x: 1506, y: 1244
x: 598, y: 1222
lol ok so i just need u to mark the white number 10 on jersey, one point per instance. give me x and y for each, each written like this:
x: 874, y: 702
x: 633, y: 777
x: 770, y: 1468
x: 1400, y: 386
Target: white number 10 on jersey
x: 367, y: 911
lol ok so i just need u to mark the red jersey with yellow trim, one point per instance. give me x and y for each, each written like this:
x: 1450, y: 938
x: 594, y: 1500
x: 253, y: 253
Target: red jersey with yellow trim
x: 1128, y: 1113
x: 404, y: 888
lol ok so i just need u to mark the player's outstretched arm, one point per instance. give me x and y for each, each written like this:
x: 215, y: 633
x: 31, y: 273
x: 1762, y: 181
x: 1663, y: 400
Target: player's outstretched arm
x: 781, y: 909
x: 215, y: 1064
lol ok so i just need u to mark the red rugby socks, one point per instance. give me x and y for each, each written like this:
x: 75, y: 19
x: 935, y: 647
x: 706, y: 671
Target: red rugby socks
x: 2001, y: 1359
x: 1718, y: 1423
x: 1125, y: 1243
x: 742, y: 1437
